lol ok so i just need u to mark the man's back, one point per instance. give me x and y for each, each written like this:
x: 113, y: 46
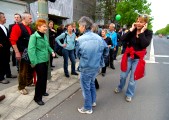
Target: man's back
x: 91, y: 51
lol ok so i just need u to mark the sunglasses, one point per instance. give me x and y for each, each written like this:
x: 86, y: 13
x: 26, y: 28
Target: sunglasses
x: 143, y: 15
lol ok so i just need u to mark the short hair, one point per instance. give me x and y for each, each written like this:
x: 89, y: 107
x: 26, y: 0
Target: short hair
x: 143, y: 17
x: 112, y: 25
x: 18, y: 14
x: 94, y: 28
x: 86, y: 21
x: 40, y: 22
x: 1, y: 13
x: 25, y: 14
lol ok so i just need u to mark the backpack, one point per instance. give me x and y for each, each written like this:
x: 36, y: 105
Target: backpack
x: 58, y: 48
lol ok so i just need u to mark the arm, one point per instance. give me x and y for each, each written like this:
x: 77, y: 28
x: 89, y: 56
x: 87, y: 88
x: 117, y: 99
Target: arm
x: 32, y: 49
x: 145, y: 38
x: 62, y: 36
x: 14, y: 36
x: 78, y: 49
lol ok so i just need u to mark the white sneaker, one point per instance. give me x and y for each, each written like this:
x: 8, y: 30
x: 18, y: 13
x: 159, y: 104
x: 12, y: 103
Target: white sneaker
x: 83, y: 110
x: 94, y: 104
x: 128, y: 99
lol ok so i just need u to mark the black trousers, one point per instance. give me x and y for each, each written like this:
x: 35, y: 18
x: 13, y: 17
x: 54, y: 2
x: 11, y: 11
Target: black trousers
x: 111, y: 57
x: 4, y: 63
x: 40, y: 88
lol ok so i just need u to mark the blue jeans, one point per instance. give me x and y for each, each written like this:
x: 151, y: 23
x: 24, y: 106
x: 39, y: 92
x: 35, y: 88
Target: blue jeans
x: 87, y: 81
x: 71, y: 55
x: 132, y: 64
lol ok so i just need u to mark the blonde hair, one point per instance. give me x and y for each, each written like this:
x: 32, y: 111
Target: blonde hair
x: 143, y: 17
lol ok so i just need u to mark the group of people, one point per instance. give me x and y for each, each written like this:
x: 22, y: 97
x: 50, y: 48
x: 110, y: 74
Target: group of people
x: 93, y: 51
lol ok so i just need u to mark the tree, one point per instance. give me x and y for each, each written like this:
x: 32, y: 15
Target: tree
x: 129, y: 9
x: 163, y: 31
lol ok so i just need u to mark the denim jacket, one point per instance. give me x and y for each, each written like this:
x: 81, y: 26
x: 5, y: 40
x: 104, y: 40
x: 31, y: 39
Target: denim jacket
x: 91, y: 50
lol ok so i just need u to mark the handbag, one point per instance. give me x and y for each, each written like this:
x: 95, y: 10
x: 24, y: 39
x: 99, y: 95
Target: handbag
x: 25, y: 56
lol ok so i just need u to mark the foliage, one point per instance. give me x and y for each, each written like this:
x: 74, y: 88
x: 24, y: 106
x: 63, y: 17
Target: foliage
x: 163, y: 31
x: 129, y: 10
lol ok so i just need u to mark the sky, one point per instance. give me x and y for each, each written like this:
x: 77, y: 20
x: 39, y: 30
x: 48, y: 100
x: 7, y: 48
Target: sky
x: 160, y: 11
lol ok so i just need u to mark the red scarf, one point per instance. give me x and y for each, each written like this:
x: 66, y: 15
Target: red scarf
x: 140, y: 69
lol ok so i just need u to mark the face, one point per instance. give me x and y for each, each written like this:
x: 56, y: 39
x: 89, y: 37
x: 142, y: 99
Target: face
x: 103, y: 33
x: 17, y: 18
x: 140, y: 23
x: 51, y: 25
x: 2, y: 19
x: 111, y: 27
x: 81, y: 28
x: 28, y: 19
x: 69, y: 28
x: 43, y: 28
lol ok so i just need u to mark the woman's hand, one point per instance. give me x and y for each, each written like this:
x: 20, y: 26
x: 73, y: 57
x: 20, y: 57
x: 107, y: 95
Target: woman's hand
x: 144, y: 28
x: 64, y: 45
x: 53, y: 54
x: 18, y: 56
x: 133, y: 27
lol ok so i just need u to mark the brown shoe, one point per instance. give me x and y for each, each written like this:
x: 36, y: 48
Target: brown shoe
x: 2, y: 97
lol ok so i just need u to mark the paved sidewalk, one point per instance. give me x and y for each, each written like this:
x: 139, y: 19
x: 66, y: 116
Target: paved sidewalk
x: 17, y: 106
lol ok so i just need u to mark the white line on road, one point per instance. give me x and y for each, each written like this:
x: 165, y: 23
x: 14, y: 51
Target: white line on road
x: 161, y: 56
x: 152, y: 58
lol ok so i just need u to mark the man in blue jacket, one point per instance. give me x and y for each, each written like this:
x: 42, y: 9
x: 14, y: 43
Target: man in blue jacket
x: 91, y: 50
x: 113, y: 35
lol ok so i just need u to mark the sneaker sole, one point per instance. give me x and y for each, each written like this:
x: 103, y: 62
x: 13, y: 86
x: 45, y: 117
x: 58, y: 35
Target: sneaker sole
x: 79, y: 110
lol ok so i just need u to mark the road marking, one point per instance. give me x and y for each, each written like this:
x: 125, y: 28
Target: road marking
x: 152, y: 58
x: 161, y: 56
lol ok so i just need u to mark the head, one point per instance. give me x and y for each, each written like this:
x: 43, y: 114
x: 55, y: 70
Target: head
x: 112, y: 27
x: 94, y: 28
x: 51, y: 24
x: 104, y: 32
x: 85, y: 23
x: 41, y: 25
x: 69, y: 28
x: 17, y: 18
x: 74, y: 25
x: 141, y: 21
x: 26, y: 18
x: 2, y: 18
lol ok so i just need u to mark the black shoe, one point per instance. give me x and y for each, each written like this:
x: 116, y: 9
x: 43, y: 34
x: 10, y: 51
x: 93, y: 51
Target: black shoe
x: 52, y: 66
x: 67, y: 75
x: 11, y: 76
x: 4, y: 81
x: 103, y: 74
x: 40, y: 102
x: 74, y: 73
x: 46, y: 94
x: 112, y: 67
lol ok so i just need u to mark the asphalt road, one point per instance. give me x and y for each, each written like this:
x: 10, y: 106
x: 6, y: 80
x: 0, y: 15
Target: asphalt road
x: 150, y: 101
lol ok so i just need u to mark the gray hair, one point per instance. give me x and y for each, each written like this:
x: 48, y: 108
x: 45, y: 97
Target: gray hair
x: 86, y: 21
x: 25, y: 14
x: 1, y: 13
x: 95, y: 28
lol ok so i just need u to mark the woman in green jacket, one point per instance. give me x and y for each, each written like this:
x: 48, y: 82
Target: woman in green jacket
x: 38, y: 51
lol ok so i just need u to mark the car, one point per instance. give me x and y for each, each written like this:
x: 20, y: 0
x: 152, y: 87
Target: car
x: 167, y: 36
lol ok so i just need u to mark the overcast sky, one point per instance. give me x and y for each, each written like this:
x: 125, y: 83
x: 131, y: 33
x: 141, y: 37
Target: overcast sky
x: 160, y: 12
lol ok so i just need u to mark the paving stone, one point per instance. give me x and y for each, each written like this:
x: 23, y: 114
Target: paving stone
x: 22, y: 101
x: 5, y: 110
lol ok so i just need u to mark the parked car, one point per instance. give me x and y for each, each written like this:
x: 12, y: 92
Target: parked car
x: 167, y: 36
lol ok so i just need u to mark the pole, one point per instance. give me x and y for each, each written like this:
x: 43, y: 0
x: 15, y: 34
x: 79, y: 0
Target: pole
x: 43, y: 13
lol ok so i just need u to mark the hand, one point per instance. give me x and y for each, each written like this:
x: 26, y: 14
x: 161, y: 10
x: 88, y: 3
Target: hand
x: 53, y: 30
x: 114, y: 49
x: 64, y: 45
x: 109, y: 46
x: 144, y: 28
x: 133, y: 27
x: 32, y: 66
x: 53, y: 54
x: 18, y: 56
x: 1, y: 45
